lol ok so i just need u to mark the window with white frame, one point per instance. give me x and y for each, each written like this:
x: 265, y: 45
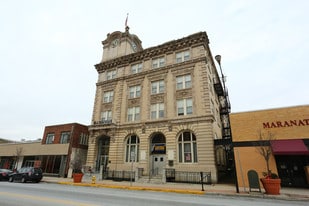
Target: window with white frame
x: 183, y: 82
x: 157, y: 111
x: 132, y: 149
x: 108, y: 96
x: 111, y: 75
x: 106, y: 115
x: 133, y: 114
x: 50, y: 138
x: 83, y: 139
x: 136, y: 68
x: 182, y: 56
x: 184, y: 107
x: 157, y: 87
x: 187, y: 149
x: 65, y: 137
x: 159, y: 62
x: 134, y: 91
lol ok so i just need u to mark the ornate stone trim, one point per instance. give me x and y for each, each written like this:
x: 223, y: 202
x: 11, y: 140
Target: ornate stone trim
x: 200, y: 38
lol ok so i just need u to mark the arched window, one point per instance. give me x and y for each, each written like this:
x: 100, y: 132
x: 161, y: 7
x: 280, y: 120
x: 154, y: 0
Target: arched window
x: 187, y: 150
x: 132, y: 149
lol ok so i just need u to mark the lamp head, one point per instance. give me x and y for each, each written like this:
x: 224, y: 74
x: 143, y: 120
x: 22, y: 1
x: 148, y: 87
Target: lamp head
x: 218, y: 58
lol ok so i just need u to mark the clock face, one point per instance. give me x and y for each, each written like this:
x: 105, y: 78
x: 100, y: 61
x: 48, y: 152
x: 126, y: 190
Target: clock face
x: 115, y: 43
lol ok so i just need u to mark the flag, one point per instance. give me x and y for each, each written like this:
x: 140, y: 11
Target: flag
x: 126, y: 22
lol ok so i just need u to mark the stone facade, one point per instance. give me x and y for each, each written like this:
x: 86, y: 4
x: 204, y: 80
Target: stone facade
x: 156, y: 106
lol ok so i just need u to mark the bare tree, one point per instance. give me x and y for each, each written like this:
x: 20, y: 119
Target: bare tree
x: 17, y: 154
x: 264, y: 148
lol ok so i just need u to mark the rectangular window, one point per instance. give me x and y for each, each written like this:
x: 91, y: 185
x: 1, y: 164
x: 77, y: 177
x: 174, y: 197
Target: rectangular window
x: 157, y: 87
x: 111, y: 75
x: 184, y: 107
x: 108, y: 96
x: 182, y: 56
x: 159, y: 62
x: 83, y: 139
x: 134, y: 91
x: 65, y: 137
x: 195, y: 152
x: 183, y: 82
x: 133, y: 114
x: 187, y: 152
x: 136, y: 68
x: 106, y: 115
x: 180, y: 151
x: 157, y: 111
x: 50, y: 138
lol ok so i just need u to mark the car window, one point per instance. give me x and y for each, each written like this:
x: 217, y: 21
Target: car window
x: 37, y: 170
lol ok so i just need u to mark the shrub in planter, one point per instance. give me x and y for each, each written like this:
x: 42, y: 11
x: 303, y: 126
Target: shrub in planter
x: 76, y: 165
x: 271, y: 183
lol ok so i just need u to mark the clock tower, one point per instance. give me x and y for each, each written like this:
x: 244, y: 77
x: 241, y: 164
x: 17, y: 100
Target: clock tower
x: 120, y: 44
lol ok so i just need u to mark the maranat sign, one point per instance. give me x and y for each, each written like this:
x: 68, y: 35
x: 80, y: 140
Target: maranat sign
x: 288, y: 123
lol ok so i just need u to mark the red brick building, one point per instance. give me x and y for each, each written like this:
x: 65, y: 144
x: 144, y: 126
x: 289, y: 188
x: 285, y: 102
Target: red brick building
x: 59, y: 145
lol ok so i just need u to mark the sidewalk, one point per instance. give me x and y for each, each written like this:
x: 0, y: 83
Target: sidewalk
x: 214, y: 189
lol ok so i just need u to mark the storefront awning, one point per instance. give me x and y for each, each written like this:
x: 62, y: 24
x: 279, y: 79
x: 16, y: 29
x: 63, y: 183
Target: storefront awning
x: 289, y: 147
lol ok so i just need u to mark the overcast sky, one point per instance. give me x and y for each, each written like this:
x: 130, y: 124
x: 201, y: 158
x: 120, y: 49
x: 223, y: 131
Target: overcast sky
x: 48, y: 49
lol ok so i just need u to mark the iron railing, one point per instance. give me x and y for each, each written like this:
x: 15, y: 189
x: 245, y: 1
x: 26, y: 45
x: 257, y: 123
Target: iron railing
x: 119, y: 175
x: 187, y: 177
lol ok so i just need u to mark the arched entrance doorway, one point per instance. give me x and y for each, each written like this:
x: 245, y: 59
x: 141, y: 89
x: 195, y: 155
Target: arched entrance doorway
x: 102, y: 154
x: 157, y: 154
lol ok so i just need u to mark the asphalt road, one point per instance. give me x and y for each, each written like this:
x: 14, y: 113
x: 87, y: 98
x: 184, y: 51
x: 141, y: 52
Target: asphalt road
x: 47, y: 194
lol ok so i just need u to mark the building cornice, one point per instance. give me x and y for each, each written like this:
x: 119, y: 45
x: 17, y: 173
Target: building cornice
x: 196, y: 39
x: 156, y: 123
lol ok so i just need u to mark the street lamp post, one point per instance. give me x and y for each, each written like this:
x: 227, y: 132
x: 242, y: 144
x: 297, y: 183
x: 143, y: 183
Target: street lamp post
x: 218, y: 59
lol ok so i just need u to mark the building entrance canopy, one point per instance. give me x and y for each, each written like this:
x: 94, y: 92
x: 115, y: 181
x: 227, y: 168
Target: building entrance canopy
x: 289, y: 147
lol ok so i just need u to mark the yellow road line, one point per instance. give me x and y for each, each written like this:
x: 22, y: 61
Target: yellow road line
x: 46, y: 199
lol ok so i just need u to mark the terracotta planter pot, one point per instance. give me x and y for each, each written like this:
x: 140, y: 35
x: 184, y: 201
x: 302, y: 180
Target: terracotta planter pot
x: 77, y: 177
x: 271, y: 186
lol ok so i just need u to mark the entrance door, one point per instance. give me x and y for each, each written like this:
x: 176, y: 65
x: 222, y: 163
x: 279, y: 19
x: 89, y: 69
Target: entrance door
x: 158, y: 154
x: 158, y: 164
x: 102, y: 155
x: 291, y: 170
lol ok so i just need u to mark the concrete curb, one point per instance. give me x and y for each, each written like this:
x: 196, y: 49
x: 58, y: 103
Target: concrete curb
x: 197, y: 192
x: 282, y: 196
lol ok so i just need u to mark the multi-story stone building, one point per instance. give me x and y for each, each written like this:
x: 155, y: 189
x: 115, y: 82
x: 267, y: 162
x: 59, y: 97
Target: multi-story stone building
x: 157, y: 107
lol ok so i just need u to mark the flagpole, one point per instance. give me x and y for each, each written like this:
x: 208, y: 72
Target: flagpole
x: 126, y: 22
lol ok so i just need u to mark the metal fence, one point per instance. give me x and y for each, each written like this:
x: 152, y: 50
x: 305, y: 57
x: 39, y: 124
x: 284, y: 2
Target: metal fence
x: 187, y: 177
x: 119, y: 175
